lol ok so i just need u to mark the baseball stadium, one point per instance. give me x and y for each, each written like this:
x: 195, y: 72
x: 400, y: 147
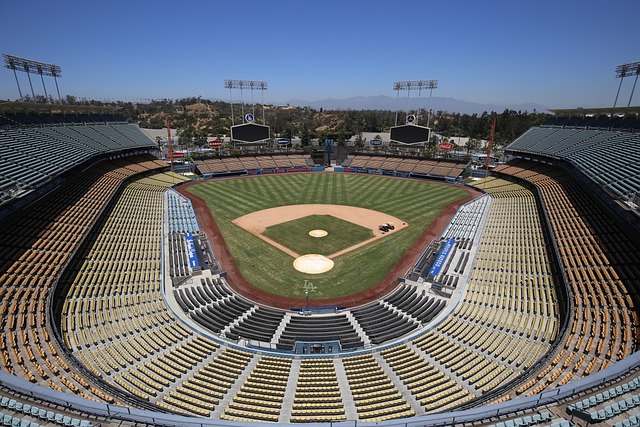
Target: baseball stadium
x: 271, y: 289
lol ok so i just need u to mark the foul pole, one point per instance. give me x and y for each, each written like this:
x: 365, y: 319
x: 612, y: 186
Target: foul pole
x: 493, y: 128
x: 169, y: 142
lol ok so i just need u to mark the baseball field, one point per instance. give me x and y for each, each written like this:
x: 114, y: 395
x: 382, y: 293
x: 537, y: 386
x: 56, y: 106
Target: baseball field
x: 349, y: 207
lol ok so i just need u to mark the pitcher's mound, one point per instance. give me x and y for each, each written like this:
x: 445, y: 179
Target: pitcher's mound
x: 318, y: 233
x: 313, y: 264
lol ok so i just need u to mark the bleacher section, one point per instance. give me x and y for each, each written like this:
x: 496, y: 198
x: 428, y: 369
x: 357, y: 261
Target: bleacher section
x: 437, y: 169
x: 235, y: 165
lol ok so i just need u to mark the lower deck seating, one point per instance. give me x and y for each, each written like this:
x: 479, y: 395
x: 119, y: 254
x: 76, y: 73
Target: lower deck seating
x: 35, y: 249
x: 598, y: 263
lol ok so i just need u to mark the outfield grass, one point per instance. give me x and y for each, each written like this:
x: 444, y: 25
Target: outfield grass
x: 295, y: 234
x: 268, y: 268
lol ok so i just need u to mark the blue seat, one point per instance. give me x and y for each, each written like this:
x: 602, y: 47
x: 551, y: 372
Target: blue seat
x: 34, y: 411
x: 66, y: 420
x: 608, y: 412
x: 6, y: 420
x: 57, y: 418
x: 635, y: 421
x: 26, y: 408
x: 629, y: 402
x: 528, y: 420
x: 598, y: 416
x: 623, y: 406
x: 85, y: 423
x: 42, y: 414
x: 18, y: 406
x: 12, y: 404
x: 51, y: 416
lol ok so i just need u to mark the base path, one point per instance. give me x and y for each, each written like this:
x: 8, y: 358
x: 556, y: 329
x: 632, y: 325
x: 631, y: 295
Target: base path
x: 386, y: 285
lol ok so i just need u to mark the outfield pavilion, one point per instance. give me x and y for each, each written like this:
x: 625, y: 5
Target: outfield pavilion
x: 545, y: 333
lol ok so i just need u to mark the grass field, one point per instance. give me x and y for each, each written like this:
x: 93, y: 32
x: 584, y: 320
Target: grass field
x: 295, y: 234
x: 268, y: 268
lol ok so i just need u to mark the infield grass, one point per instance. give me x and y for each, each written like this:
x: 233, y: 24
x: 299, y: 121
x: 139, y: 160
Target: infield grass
x: 268, y: 268
x: 295, y: 234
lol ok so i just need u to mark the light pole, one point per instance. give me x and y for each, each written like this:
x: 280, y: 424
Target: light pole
x: 306, y: 297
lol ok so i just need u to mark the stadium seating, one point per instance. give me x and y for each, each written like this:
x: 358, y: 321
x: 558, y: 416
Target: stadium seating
x: 598, y: 263
x: 29, y: 160
x: 607, y: 157
x: 437, y: 169
x: 226, y: 165
x: 95, y: 249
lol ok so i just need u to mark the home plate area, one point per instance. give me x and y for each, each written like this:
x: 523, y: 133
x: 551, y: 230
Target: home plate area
x: 313, y: 264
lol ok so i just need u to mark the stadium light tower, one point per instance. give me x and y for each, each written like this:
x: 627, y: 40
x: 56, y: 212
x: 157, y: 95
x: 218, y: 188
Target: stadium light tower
x: 28, y: 66
x: 245, y: 84
x: 626, y: 70
x: 410, y: 85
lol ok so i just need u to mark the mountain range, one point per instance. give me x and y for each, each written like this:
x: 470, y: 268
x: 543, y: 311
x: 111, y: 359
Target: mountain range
x: 382, y: 102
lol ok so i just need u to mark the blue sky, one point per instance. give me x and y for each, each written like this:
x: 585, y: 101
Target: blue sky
x: 560, y: 54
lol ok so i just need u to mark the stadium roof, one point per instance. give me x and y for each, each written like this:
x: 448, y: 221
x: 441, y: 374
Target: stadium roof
x: 595, y: 111
x: 31, y: 107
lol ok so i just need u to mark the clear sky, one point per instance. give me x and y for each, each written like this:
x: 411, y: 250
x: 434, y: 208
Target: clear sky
x: 558, y: 53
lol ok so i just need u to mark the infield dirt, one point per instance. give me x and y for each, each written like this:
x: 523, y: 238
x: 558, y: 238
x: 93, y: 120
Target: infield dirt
x: 257, y: 222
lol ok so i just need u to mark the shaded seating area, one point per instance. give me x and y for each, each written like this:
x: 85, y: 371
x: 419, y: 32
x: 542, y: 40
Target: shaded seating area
x: 29, y: 162
x: 319, y: 328
x: 607, y: 157
x: 402, y: 312
x: 260, y: 325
